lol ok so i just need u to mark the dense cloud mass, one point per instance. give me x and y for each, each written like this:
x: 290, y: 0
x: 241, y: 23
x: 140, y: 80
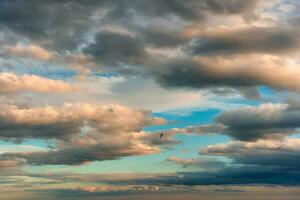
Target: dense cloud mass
x: 238, y: 72
x: 112, y: 48
x: 84, y: 132
x: 64, y: 22
x: 124, y: 39
x: 58, y: 122
x: 264, y: 121
x: 266, y: 40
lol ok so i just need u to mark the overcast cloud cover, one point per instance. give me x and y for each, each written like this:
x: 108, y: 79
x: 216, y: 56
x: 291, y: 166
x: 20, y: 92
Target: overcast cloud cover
x: 131, y: 99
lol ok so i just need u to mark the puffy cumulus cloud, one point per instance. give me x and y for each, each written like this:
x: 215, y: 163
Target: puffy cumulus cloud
x: 205, y: 164
x: 60, y: 121
x: 10, y: 82
x: 238, y: 72
x: 271, y: 40
x: 274, y: 154
x: 30, y: 51
x: 264, y: 121
x: 83, y: 132
x: 94, y: 147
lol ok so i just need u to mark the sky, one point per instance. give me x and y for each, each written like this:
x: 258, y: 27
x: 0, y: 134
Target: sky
x: 149, y: 99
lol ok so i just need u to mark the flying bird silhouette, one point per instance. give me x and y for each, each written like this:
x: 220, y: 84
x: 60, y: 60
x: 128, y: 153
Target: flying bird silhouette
x: 161, y: 135
x: 279, y: 147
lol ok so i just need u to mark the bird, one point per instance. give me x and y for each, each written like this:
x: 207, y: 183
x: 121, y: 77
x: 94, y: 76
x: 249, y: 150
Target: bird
x: 278, y: 147
x: 161, y: 135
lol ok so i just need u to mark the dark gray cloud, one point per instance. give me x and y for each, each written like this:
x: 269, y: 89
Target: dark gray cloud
x: 77, y: 155
x: 248, y: 40
x: 280, y: 155
x: 264, y: 121
x: 159, y: 37
x: 111, y: 48
x: 240, y: 72
x: 54, y: 24
x: 194, y: 9
x: 62, y: 24
x: 228, y: 176
x: 192, y: 74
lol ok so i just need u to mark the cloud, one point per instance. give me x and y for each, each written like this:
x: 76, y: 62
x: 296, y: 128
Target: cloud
x: 70, y: 28
x: 269, y: 153
x: 228, y: 176
x: 90, y: 191
x: 10, y: 164
x: 10, y: 82
x: 60, y: 121
x: 48, y: 23
x: 112, y: 48
x: 94, y: 147
x: 264, y: 121
x: 241, y: 41
x: 236, y: 72
x: 158, y: 37
x: 251, y: 123
x: 82, y: 132
x: 260, y: 162
x: 194, y: 10
x: 30, y: 51
x: 63, y: 25
x: 205, y: 164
